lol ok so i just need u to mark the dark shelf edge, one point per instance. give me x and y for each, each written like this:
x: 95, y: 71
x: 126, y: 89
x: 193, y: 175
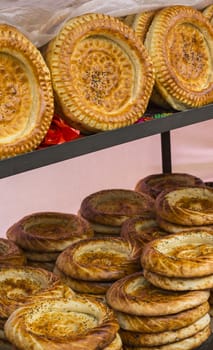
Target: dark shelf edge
x: 102, y: 140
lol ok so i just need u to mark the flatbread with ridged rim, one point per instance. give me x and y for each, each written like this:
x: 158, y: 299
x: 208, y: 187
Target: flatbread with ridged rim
x: 101, y: 73
x: 179, y: 42
x: 26, y: 99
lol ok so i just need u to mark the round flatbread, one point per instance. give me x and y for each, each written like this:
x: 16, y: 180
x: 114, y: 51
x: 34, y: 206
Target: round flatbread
x: 98, y: 259
x: 49, y: 231
x: 154, y: 184
x: 189, y: 206
x: 184, y: 255
x: 114, y: 206
x: 136, y: 296
x: 26, y: 108
x: 101, y: 73
x: 170, y: 227
x: 181, y: 284
x: 57, y: 323
x: 182, y: 38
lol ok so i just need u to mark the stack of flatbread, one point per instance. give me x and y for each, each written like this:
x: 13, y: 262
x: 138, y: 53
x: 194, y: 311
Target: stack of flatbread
x: 179, y: 42
x: 90, y: 266
x: 185, y: 209
x: 152, y: 318
x: 18, y: 285
x: 107, y: 210
x: 154, y: 184
x: 182, y: 261
x: 70, y: 322
x: 42, y: 236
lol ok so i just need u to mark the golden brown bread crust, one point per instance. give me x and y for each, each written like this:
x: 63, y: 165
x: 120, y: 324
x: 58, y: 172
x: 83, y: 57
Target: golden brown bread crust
x: 19, y: 284
x: 182, y: 38
x: 166, y: 337
x: 62, y: 323
x: 179, y: 284
x: 114, y: 206
x: 81, y: 286
x: 186, y: 206
x: 154, y: 184
x: 184, y: 255
x: 101, y: 73
x: 186, y: 344
x: 98, y: 259
x: 208, y: 13
x: 170, y: 227
x: 10, y: 253
x: 136, y: 296
x: 116, y: 344
x: 49, y: 231
x: 26, y: 108
x: 159, y: 324
x: 142, y: 22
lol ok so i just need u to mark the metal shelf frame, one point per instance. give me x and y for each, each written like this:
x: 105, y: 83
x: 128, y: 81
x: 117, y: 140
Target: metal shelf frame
x: 102, y: 140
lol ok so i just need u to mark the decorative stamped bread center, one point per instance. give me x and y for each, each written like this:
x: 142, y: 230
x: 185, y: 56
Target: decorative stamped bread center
x: 201, y: 251
x: 15, y: 95
x: 103, y: 74
x: 189, y: 56
x: 56, y: 324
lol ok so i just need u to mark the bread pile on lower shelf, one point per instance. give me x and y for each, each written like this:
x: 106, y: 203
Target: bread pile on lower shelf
x: 42, y: 236
x: 158, y: 284
x: 107, y: 210
x: 152, y: 318
x: 92, y: 265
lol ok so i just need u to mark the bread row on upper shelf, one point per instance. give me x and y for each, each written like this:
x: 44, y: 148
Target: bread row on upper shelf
x: 99, y: 73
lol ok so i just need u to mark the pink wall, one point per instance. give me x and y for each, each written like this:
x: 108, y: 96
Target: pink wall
x: 62, y: 186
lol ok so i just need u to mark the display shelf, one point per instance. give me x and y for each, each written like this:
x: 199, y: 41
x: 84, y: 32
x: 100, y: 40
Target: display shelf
x: 102, y: 140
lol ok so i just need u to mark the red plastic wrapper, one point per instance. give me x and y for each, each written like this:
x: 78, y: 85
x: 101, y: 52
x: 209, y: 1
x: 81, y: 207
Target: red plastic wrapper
x: 59, y: 132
